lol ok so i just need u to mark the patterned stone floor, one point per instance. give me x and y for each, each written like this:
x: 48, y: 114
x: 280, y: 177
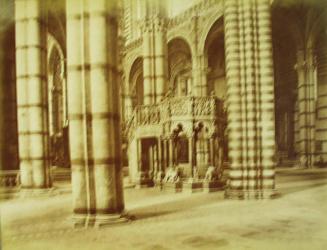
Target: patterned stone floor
x: 162, y: 220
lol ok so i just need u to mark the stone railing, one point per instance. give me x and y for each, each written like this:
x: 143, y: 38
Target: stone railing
x: 147, y: 115
x: 187, y: 106
x: 9, y: 178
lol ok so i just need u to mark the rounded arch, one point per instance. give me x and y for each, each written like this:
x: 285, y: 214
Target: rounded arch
x: 214, y: 54
x: 135, y: 82
x: 129, y: 60
x: 182, y: 35
x: 208, y: 23
x: 179, y: 67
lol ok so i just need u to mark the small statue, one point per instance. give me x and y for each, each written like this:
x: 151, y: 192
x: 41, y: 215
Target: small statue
x: 195, y: 174
x: 172, y: 175
x: 211, y: 174
x: 303, y: 161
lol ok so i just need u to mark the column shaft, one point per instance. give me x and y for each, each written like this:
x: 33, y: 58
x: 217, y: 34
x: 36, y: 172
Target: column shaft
x: 250, y: 98
x: 233, y: 99
x: 147, y: 66
x: 104, y: 108
x: 92, y: 87
x: 160, y: 59
x: 32, y: 93
x: 267, y: 99
x: 306, y: 105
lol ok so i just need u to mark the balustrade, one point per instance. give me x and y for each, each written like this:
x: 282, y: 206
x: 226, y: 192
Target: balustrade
x: 195, y: 108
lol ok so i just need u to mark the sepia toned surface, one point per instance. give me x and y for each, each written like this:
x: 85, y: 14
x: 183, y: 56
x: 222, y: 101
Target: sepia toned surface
x: 147, y: 124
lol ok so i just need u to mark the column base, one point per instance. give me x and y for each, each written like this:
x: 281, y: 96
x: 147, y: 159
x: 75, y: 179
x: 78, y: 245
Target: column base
x: 36, y: 192
x: 98, y: 220
x: 213, y: 186
x: 251, y: 194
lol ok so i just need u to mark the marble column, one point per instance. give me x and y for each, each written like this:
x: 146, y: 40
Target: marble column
x: 212, y: 151
x: 164, y: 155
x: 2, y: 81
x: 147, y: 64
x: 191, y: 150
x: 154, y: 52
x: 171, y: 160
x: 92, y: 88
x: 31, y: 72
x: 160, y: 52
x: 306, y: 71
x: 139, y: 155
x: 250, y: 99
x: 159, y: 155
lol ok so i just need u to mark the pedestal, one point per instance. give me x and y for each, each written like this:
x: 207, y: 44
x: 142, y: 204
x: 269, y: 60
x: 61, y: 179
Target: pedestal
x: 193, y: 186
x: 213, y: 186
x: 175, y: 187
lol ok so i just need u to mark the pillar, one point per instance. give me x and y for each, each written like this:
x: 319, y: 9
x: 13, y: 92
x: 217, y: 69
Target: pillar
x: 212, y: 150
x: 147, y: 64
x: 199, y: 67
x: 154, y: 53
x: 92, y: 87
x: 200, y: 75
x: 250, y: 99
x: 31, y: 74
x: 306, y: 71
x: 160, y: 51
x: 139, y: 155
x: 159, y: 155
x: 171, y: 160
x: 191, y: 153
x: 8, y: 119
x: 321, y: 118
x: 164, y: 155
x: 2, y: 81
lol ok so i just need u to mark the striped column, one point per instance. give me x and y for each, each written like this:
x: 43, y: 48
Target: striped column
x: 250, y: 99
x: 93, y: 112
x: 267, y: 98
x: 32, y: 111
x: 306, y: 70
x: 321, y: 122
x: 154, y: 53
x: 233, y: 100
x: 160, y: 59
x: 2, y: 104
x: 148, y: 64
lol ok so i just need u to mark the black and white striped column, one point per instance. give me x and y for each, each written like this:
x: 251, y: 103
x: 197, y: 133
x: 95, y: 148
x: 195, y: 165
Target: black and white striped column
x: 92, y: 87
x: 31, y: 74
x: 250, y: 99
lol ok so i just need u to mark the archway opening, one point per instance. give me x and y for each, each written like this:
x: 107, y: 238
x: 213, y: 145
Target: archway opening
x: 285, y: 78
x: 136, y: 88
x: 214, y: 51
x: 57, y: 106
x: 179, y: 68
